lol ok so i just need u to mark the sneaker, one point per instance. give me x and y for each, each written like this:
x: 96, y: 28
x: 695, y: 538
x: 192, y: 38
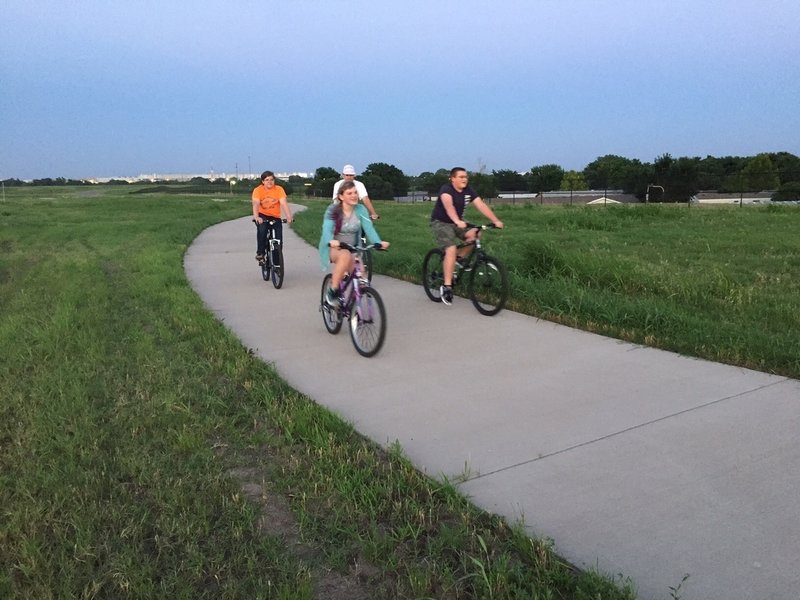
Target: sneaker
x: 331, y: 299
x: 446, y: 293
x: 260, y: 258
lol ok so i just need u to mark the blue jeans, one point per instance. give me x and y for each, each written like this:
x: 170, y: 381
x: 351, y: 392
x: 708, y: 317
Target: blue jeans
x: 262, y: 233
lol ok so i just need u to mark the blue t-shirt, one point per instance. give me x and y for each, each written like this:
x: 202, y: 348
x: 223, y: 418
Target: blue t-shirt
x: 460, y: 201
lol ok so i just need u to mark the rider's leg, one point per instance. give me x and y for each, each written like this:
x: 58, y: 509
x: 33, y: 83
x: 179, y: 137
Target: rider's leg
x: 469, y: 238
x: 449, y: 264
x: 343, y: 263
x: 261, y: 238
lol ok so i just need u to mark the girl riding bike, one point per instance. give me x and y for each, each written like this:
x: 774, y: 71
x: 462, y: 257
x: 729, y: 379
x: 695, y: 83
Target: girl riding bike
x: 343, y: 222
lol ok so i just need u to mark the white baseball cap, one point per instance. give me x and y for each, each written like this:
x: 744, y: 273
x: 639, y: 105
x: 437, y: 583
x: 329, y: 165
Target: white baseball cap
x: 348, y: 170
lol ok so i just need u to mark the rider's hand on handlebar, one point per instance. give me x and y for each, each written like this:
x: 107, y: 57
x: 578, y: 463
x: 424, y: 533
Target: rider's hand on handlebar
x: 499, y: 224
x: 333, y: 243
x: 384, y: 245
x: 461, y: 224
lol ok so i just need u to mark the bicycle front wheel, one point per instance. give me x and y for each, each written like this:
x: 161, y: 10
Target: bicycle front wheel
x: 433, y: 274
x: 488, y: 285
x: 277, y: 267
x: 368, y: 322
x: 331, y: 316
x: 265, y: 268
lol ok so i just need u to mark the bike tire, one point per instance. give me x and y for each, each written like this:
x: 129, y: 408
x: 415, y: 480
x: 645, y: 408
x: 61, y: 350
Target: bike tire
x: 265, y: 270
x: 433, y: 274
x: 332, y: 317
x: 368, y: 322
x: 277, y: 267
x: 366, y: 260
x: 488, y: 285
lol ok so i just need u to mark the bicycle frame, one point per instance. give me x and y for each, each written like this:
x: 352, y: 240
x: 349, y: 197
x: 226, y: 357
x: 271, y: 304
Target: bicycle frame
x: 350, y: 299
x: 472, y: 258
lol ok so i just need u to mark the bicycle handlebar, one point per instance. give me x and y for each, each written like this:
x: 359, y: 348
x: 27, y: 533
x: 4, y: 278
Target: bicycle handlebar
x: 481, y: 227
x: 348, y: 247
x: 270, y: 219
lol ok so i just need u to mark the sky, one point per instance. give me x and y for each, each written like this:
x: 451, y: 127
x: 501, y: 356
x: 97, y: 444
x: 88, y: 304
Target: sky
x: 92, y: 88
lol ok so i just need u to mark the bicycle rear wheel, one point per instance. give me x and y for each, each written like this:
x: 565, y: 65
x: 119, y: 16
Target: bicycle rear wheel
x: 331, y: 316
x: 368, y: 323
x: 366, y: 261
x: 433, y: 274
x: 488, y: 285
x: 277, y: 267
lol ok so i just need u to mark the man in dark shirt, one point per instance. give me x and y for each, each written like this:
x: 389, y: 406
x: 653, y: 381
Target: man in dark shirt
x: 449, y: 227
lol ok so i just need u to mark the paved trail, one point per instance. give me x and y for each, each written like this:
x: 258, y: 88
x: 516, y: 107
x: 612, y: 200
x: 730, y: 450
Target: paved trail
x: 634, y: 460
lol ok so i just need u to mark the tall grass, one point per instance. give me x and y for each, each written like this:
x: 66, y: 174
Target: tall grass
x: 145, y: 453
x: 720, y: 283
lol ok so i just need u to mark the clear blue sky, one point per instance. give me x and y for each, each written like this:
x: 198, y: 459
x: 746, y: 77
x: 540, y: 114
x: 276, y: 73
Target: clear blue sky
x: 93, y: 88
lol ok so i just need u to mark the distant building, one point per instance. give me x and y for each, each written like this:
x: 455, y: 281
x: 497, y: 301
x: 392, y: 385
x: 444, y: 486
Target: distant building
x: 183, y: 177
x: 573, y: 197
x: 413, y: 197
x: 724, y: 198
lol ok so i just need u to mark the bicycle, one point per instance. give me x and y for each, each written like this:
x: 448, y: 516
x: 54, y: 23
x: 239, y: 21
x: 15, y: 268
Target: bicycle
x: 270, y: 267
x: 487, y: 283
x: 359, y: 304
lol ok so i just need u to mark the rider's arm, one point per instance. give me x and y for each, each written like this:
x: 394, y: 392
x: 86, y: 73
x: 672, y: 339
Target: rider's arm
x: 256, y: 206
x: 366, y: 225
x: 450, y: 209
x: 325, y: 238
x: 363, y: 196
x: 287, y: 211
x: 487, y: 212
x: 368, y: 203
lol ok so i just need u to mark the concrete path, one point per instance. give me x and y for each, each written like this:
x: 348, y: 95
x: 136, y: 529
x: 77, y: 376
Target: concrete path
x: 634, y: 460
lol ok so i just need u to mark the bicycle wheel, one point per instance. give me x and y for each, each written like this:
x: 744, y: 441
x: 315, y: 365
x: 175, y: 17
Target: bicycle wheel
x: 368, y: 323
x: 264, y: 264
x: 433, y: 274
x: 332, y: 317
x: 277, y: 267
x: 488, y: 285
x: 366, y: 260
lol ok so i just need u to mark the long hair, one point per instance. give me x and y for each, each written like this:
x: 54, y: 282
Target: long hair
x: 336, y: 213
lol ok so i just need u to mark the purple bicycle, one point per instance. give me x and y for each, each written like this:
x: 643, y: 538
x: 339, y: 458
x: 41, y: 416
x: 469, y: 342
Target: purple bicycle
x: 359, y: 304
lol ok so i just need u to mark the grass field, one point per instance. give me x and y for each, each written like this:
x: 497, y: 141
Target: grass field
x: 145, y: 453
x: 719, y: 283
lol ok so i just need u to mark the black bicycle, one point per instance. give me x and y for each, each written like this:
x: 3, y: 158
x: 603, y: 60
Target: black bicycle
x: 272, y: 262
x: 486, y: 277
x: 358, y: 303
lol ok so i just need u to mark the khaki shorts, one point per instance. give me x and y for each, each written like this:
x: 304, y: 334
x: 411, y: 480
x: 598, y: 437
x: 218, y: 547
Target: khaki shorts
x: 447, y: 234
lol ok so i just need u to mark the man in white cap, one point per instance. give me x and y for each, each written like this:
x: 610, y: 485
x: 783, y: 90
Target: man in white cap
x: 349, y: 174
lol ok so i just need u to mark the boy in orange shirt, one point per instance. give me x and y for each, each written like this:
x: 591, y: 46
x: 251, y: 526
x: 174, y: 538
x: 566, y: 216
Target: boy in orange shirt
x: 268, y: 201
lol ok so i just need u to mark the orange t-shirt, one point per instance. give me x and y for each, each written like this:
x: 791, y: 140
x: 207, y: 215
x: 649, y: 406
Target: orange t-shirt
x: 268, y: 200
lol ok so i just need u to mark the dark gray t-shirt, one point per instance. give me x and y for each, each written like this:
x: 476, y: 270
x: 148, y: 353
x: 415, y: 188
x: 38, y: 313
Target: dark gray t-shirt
x: 460, y: 201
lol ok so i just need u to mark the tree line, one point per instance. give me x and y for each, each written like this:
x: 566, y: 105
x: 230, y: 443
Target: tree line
x: 671, y: 179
